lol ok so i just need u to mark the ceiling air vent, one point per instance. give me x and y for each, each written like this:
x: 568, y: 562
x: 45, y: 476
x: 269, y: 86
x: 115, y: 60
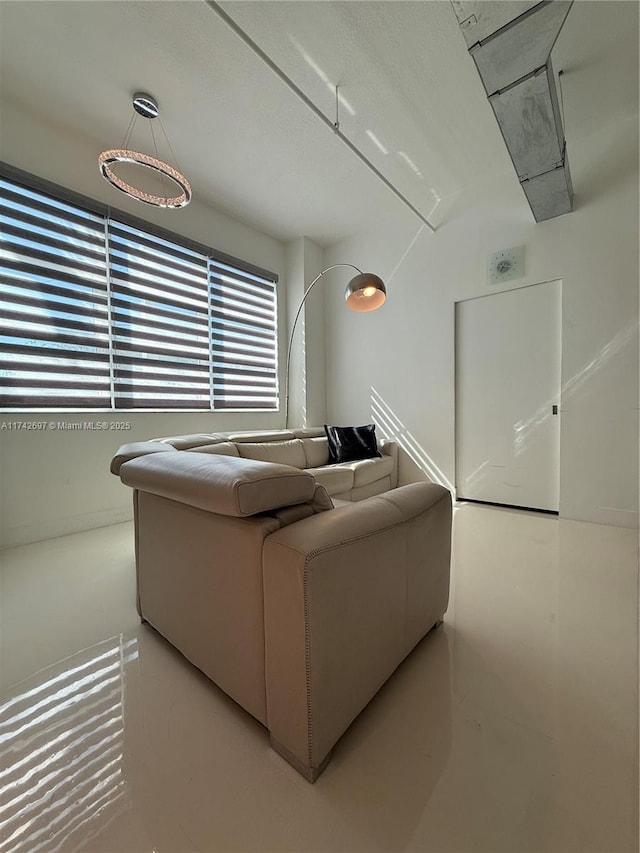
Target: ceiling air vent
x: 510, y: 42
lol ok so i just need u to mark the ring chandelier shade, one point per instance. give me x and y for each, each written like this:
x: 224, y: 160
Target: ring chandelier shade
x: 147, y: 107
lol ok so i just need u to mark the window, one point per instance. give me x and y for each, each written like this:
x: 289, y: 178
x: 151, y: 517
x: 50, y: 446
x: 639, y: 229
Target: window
x: 54, y: 321
x: 159, y: 322
x: 244, y: 335
x: 103, y: 312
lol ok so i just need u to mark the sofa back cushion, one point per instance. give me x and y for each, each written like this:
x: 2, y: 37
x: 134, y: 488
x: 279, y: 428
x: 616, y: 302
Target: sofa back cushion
x: 186, y: 442
x: 281, y: 452
x: 255, y: 435
x: 222, y: 448
x: 316, y: 451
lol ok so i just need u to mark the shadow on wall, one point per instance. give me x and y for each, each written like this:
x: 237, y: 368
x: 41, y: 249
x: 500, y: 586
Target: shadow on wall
x: 303, y: 335
x: 414, y: 462
x: 397, y: 155
x: 525, y: 430
x: 606, y: 175
x: 296, y: 380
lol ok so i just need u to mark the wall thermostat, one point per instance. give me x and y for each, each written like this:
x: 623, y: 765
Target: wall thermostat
x: 505, y: 265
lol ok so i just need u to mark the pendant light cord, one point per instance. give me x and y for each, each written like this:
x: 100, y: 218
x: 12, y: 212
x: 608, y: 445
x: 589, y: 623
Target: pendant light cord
x: 155, y: 148
x: 129, y: 130
x: 173, y: 153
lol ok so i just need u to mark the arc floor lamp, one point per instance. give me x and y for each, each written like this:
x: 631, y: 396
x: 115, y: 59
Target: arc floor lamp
x: 365, y: 292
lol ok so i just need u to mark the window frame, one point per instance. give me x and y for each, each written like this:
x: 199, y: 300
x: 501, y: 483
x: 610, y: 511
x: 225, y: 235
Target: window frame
x: 214, y: 256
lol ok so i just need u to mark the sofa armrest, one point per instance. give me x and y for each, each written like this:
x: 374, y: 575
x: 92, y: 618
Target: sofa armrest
x: 348, y: 594
x: 390, y: 448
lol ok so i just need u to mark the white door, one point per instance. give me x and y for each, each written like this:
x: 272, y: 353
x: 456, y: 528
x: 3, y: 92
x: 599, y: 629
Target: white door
x: 507, y: 390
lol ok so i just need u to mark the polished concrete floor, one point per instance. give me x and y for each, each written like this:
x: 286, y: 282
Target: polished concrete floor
x: 514, y: 728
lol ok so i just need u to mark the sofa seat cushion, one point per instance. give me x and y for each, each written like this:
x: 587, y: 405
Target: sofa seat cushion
x: 367, y: 471
x: 280, y: 452
x: 335, y: 478
x: 221, y: 484
x: 338, y: 502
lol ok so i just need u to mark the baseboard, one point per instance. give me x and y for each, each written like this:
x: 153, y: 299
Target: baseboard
x: 62, y: 527
x: 508, y: 506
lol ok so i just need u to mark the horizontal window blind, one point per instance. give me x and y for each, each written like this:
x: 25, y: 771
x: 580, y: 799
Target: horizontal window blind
x: 54, y: 333
x: 97, y: 312
x: 159, y: 322
x: 243, y: 333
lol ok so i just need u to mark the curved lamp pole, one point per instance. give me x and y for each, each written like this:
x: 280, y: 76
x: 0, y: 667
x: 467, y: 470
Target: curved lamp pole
x: 365, y: 292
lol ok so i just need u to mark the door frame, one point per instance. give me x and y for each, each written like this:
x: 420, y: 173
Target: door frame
x: 497, y: 292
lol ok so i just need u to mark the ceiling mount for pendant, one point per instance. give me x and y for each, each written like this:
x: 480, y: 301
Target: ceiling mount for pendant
x: 146, y: 106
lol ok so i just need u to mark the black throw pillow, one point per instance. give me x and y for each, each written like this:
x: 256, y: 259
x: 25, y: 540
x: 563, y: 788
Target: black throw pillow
x: 348, y: 444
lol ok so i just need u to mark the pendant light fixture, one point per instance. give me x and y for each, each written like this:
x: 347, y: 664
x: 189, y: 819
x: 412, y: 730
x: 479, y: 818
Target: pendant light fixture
x: 146, y: 106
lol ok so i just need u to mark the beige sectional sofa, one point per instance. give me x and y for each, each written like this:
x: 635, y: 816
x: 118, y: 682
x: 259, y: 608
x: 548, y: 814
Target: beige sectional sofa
x: 298, y: 610
x: 301, y: 448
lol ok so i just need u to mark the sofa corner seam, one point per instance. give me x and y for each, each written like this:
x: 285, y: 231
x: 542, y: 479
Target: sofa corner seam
x: 307, y: 661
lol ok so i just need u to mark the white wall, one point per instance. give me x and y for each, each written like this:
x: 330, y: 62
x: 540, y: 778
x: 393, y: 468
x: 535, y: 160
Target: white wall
x: 315, y: 336
x: 307, y: 375
x: 57, y: 481
x: 396, y: 366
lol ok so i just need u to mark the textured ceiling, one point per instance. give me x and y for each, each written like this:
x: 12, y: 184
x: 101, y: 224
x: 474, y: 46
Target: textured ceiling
x: 410, y: 97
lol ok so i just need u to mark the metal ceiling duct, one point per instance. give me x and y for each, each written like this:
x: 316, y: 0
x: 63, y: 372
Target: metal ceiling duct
x: 510, y: 42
